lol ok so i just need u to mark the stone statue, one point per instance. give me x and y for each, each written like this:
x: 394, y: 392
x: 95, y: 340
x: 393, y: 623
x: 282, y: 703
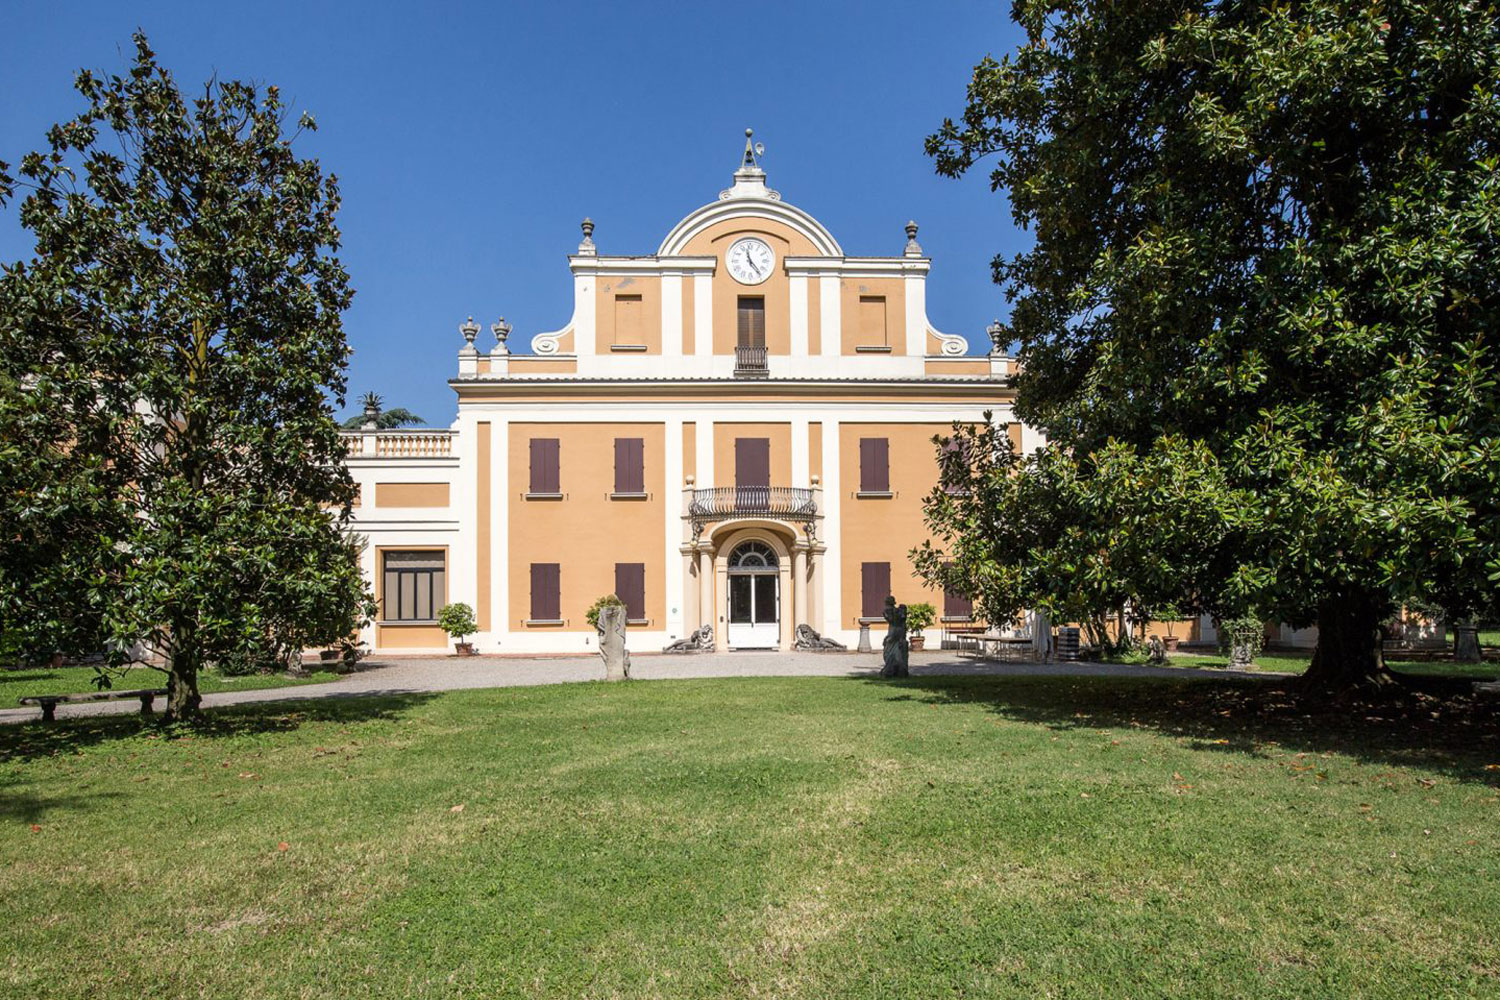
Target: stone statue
x: 1156, y: 650
x: 806, y: 637
x: 896, y: 650
x: 702, y: 640
x: 612, y: 643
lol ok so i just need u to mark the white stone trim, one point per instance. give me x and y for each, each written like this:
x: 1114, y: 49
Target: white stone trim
x: 749, y: 208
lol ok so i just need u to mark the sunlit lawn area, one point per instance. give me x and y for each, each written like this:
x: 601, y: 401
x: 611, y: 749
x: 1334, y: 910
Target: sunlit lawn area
x: 813, y: 837
x: 73, y: 680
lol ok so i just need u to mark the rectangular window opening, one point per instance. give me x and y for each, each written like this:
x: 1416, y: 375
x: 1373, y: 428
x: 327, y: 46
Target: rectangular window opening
x: 545, y: 478
x: 875, y: 587
x: 413, y: 586
x: 752, y: 321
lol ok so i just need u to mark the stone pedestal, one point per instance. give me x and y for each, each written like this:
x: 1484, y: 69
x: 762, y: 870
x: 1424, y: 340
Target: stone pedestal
x: 612, y: 643
x: 864, y: 639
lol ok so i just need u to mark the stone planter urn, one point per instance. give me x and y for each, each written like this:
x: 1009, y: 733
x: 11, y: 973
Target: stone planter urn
x: 1171, y: 642
x: 463, y: 648
x: 917, y: 642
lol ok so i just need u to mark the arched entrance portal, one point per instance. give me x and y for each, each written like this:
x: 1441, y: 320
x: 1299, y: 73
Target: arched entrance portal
x: 754, y: 615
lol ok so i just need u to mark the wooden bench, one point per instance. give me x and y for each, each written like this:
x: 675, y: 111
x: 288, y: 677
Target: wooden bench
x: 49, y: 702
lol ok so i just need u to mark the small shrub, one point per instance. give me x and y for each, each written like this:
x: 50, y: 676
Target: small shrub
x: 457, y: 620
x: 607, y: 601
x: 919, y: 617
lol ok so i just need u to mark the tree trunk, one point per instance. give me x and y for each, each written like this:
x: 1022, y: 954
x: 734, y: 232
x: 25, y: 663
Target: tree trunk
x: 1349, y: 654
x: 182, y: 677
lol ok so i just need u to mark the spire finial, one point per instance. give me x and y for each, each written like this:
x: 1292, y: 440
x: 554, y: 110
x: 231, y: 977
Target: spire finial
x: 586, y: 247
x: 470, y: 330
x: 749, y: 149
x: 913, y: 248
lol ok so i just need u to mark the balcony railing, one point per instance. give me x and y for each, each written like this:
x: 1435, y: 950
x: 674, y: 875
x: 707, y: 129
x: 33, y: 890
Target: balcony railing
x: 750, y: 362
x: 724, y: 502
x: 400, y: 444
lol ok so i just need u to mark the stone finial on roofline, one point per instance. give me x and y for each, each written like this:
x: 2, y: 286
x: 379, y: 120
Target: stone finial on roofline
x: 501, y: 330
x: 913, y: 248
x: 586, y: 247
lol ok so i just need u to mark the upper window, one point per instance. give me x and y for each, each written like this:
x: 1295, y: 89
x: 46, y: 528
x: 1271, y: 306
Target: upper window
x: 752, y: 321
x: 630, y: 328
x: 413, y: 587
x: 874, y: 465
x: 872, y: 331
x: 630, y: 466
x: 544, y: 467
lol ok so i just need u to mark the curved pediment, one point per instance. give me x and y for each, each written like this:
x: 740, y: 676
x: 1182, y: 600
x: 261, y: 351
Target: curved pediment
x: 749, y: 199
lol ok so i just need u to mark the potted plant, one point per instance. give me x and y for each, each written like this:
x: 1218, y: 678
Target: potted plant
x: 1170, y: 614
x: 458, y: 621
x: 607, y: 601
x: 919, y: 617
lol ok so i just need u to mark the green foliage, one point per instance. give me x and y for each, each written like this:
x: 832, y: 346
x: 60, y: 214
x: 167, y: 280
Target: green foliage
x: 919, y: 617
x: 1247, y: 631
x: 170, y: 470
x: 607, y: 601
x: 457, y: 620
x: 1258, y: 322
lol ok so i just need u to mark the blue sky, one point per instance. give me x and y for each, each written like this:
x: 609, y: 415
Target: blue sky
x: 471, y: 139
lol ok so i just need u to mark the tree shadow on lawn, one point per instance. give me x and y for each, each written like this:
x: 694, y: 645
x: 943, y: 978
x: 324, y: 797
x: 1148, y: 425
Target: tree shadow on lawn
x: 34, y: 740
x: 1458, y: 734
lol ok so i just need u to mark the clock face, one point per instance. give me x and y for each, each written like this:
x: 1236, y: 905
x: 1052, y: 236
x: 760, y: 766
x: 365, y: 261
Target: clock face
x: 750, y: 261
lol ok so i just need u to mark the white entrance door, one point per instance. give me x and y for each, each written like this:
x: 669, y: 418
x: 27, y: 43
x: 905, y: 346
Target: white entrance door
x: 754, y: 598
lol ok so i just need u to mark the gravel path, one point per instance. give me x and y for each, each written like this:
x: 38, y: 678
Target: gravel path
x: 417, y: 674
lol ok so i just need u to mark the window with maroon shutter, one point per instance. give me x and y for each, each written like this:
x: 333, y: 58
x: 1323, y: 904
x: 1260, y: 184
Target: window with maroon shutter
x: 630, y: 587
x: 545, y: 603
x: 752, y: 462
x: 544, y: 476
x: 956, y: 605
x: 874, y: 588
x: 630, y: 465
x: 953, y: 466
x: 874, y: 465
x: 751, y: 331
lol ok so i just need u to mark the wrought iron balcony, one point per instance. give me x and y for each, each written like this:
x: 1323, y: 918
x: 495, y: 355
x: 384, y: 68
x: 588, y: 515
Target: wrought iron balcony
x: 750, y: 362
x: 724, y: 502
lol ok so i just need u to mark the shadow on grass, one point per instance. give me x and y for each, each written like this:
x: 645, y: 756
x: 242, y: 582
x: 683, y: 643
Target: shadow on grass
x: 1458, y: 733
x: 33, y: 740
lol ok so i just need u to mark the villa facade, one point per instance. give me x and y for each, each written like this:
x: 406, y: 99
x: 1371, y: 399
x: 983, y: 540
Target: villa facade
x: 734, y: 431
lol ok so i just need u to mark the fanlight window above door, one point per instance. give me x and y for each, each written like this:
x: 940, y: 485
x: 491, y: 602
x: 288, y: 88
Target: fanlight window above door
x: 753, y: 555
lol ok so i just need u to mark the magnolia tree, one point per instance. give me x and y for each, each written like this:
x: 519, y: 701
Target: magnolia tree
x: 1258, y: 322
x: 171, y: 475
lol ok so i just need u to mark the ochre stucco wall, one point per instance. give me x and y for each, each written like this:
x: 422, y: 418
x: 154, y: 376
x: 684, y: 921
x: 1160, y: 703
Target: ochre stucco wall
x: 586, y: 532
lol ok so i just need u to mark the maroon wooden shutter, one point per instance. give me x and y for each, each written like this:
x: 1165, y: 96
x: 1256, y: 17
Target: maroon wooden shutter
x: 956, y: 605
x: 752, y: 462
x: 544, y: 476
x: 545, y: 602
x: 630, y: 587
x: 874, y: 588
x: 874, y: 465
x: 630, y: 465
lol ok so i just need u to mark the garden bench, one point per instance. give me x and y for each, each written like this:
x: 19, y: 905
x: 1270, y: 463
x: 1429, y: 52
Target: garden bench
x: 49, y: 702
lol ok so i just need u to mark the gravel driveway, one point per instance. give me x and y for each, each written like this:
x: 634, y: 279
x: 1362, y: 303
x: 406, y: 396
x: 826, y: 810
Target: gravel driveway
x: 416, y: 674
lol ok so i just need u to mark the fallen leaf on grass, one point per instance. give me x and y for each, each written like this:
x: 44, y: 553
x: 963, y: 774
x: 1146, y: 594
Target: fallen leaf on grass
x: 36, y: 828
x: 1426, y: 782
x: 456, y: 809
x: 283, y: 846
x: 248, y: 774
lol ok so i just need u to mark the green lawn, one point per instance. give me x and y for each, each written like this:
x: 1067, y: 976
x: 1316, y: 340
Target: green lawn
x: 808, y: 837
x: 1297, y: 664
x: 72, y: 680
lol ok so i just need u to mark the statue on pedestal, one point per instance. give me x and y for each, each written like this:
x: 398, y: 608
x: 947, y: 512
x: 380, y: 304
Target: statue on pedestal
x: 612, y: 643
x: 896, y: 651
